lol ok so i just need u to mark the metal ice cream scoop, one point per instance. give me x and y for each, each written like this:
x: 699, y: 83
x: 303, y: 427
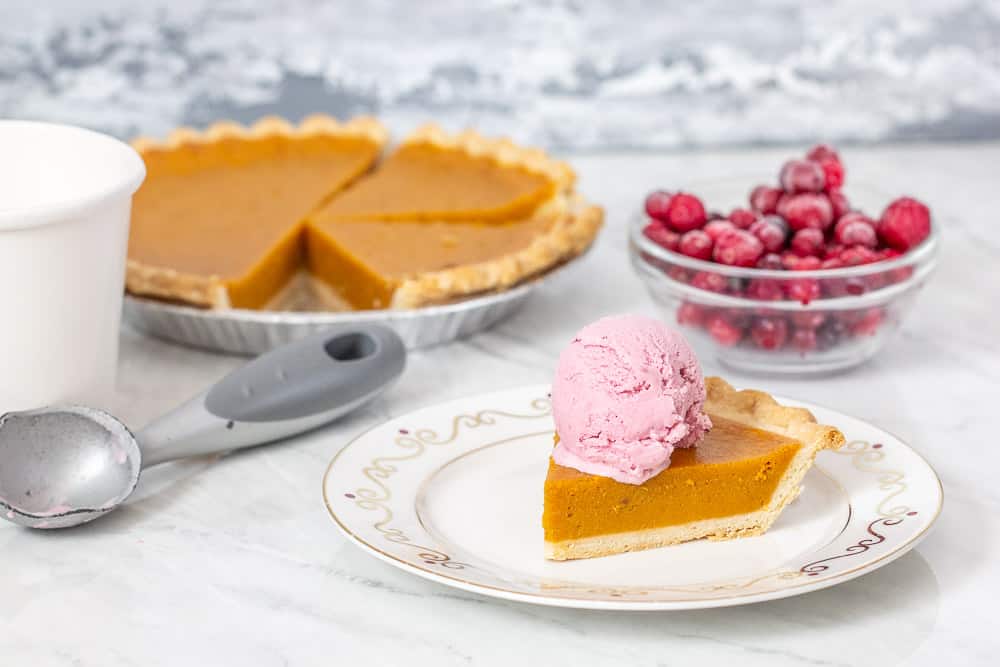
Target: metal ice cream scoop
x: 64, y: 466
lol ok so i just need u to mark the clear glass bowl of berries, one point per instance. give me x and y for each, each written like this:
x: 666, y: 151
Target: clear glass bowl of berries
x: 803, y: 277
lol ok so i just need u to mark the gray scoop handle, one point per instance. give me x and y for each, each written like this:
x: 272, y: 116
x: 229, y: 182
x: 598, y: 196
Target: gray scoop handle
x: 279, y: 394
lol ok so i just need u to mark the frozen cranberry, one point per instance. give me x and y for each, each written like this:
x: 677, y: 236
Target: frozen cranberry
x: 661, y: 236
x: 821, y: 152
x: 832, y: 250
x: 831, y: 333
x: 802, y: 176
x: 807, y: 319
x: 839, y: 203
x: 807, y: 263
x: 832, y: 263
x: 833, y: 173
x: 712, y: 282
x: 685, y: 212
x: 888, y: 253
x: 806, y: 210
x: 679, y: 273
x: 904, y: 224
x: 691, y: 314
x: 739, y: 248
x: 769, y: 333
x: 657, y: 203
x: 807, y: 242
x: 742, y: 218
x: 716, y: 228
x: 856, y: 232
x: 771, y: 234
x: 868, y: 323
x: 857, y: 255
x: 771, y: 261
x: 763, y: 289
x: 764, y: 199
x: 803, y: 290
x: 805, y: 340
x: 696, y: 243
x: 723, y: 330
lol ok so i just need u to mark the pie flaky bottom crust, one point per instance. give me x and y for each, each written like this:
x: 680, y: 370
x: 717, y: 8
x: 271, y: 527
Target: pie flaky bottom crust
x: 752, y: 408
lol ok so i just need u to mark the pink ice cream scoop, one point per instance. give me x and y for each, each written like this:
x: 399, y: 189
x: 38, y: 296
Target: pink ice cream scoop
x: 627, y: 391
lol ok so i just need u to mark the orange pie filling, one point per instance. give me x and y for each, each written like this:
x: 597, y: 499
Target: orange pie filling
x: 734, y: 470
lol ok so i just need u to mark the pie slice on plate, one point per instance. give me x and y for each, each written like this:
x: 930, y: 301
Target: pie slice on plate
x: 733, y: 483
x: 230, y: 217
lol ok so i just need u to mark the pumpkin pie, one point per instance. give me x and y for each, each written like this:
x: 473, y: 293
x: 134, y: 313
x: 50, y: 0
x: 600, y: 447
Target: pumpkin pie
x: 229, y: 217
x: 733, y: 483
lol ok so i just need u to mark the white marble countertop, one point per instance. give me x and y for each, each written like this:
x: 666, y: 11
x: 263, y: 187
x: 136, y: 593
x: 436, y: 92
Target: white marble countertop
x: 235, y: 561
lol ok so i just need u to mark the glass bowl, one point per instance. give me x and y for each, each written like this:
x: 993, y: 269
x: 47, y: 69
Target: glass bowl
x: 839, y: 318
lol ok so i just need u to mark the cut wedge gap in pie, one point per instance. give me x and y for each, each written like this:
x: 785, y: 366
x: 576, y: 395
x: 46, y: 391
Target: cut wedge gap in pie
x: 233, y: 216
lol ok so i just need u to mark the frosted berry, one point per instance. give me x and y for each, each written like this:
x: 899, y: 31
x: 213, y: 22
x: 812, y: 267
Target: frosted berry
x: 858, y: 255
x: 762, y: 289
x: 696, y: 243
x: 805, y: 340
x: 839, y: 203
x: 807, y: 242
x: 712, y: 282
x: 742, y: 218
x: 661, y: 236
x: 904, y: 224
x: 856, y: 232
x: 691, y: 314
x: 821, y: 152
x: 806, y: 319
x: 771, y: 260
x: 685, y: 212
x: 769, y: 333
x: 657, y: 203
x: 723, y: 330
x: 802, y: 176
x: 772, y: 231
x: 716, y: 228
x: 833, y: 173
x: 764, y: 199
x: 739, y: 248
x: 806, y: 210
x: 803, y: 290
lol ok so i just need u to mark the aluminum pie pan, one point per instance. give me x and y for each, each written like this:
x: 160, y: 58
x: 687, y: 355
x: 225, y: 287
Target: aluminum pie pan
x: 252, y: 332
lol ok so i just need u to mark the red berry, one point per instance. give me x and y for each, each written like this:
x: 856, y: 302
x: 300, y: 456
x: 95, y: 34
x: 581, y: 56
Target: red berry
x: 723, y: 330
x: 904, y: 224
x: 857, y: 255
x: 685, y: 212
x: 769, y: 333
x: 770, y: 261
x: 716, y: 228
x: 868, y: 323
x: 691, y: 314
x: 771, y: 234
x: 696, y: 243
x: 807, y: 242
x: 803, y: 290
x: 832, y: 263
x: 832, y: 251
x: 857, y: 233
x: 806, y: 319
x: 657, y: 203
x: 804, y: 340
x: 742, y: 218
x: 839, y: 203
x: 660, y: 235
x: 712, y: 282
x: 831, y: 333
x: 821, y: 152
x: 763, y: 289
x: 764, y: 199
x: 807, y: 263
x: 802, y: 176
x: 833, y: 173
x: 806, y: 210
x: 739, y: 248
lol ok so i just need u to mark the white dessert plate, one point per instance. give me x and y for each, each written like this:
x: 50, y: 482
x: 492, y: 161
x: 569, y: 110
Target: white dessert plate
x: 453, y: 493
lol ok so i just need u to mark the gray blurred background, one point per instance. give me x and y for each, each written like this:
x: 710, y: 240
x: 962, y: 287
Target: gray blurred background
x: 571, y: 75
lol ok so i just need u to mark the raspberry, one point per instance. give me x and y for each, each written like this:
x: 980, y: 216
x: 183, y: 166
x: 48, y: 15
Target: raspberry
x: 804, y: 340
x: 685, y: 212
x: 691, y: 314
x: 657, y: 203
x: 904, y: 224
x: 711, y: 282
x: 802, y: 176
x: 661, y: 236
x: 723, y: 330
x: 771, y: 234
x: 769, y: 333
x: 833, y: 173
x: 763, y: 289
x: 806, y: 319
x: 839, y: 203
x: 696, y: 243
x: 764, y: 199
x: 738, y: 248
x: 853, y: 231
x: 742, y: 218
x: 716, y: 228
x: 807, y: 242
x: 770, y: 261
x: 821, y: 152
x: 803, y: 290
x: 806, y: 210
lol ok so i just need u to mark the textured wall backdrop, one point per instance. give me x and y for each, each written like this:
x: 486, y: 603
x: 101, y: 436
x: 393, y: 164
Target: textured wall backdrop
x: 568, y: 74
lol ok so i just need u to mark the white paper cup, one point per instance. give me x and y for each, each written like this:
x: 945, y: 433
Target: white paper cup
x: 65, y: 199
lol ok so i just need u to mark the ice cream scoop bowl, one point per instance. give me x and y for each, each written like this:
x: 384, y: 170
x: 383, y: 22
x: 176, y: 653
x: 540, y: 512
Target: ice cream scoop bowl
x: 64, y: 466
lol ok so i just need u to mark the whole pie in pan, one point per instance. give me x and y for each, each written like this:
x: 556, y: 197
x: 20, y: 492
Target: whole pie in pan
x: 231, y: 217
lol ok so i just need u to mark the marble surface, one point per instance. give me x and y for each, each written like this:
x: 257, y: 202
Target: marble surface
x: 235, y: 561
x: 586, y: 75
